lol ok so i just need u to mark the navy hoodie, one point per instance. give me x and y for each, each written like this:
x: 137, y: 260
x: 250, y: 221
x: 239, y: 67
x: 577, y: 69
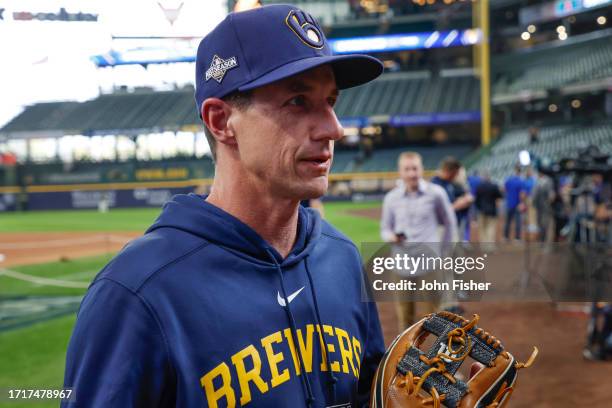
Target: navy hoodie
x: 202, y: 312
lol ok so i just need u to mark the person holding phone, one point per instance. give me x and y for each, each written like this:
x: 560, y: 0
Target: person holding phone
x: 413, y: 212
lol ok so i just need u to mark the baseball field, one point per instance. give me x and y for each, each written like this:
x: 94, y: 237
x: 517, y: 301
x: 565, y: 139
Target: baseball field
x: 48, y: 259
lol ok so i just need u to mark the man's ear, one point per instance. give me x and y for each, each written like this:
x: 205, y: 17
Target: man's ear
x: 216, y: 114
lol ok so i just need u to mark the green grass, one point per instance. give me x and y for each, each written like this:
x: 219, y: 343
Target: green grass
x: 140, y: 218
x: 79, y: 270
x: 359, y: 229
x: 35, y: 355
x: 137, y: 219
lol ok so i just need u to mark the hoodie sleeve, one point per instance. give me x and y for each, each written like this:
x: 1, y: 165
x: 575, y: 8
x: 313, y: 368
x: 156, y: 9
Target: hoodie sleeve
x: 374, y: 349
x: 117, y: 356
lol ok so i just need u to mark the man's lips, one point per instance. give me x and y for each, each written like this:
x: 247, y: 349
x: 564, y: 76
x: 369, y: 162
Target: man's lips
x: 320, y: 162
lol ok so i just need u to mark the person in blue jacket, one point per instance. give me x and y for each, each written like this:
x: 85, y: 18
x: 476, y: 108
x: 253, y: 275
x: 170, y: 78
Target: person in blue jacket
x: 514, y: 188
x: 241, y: 297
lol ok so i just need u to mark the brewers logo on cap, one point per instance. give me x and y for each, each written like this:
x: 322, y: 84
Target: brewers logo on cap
x: 306, y: 28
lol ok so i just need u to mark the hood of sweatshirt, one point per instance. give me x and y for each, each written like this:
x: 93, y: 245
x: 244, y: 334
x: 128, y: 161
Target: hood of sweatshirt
x: 191, y: 213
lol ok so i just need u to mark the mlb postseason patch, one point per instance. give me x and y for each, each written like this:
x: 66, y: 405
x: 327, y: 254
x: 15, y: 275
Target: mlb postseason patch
x: 219, y: 66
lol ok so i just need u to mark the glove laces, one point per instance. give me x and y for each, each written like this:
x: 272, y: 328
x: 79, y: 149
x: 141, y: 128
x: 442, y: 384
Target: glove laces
x: 456, y: 336
x: 437, y: 364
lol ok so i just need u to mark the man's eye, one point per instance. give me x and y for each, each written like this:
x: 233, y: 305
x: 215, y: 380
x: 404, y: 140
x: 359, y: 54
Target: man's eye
x: 298, y: 101
x: 332, y: 101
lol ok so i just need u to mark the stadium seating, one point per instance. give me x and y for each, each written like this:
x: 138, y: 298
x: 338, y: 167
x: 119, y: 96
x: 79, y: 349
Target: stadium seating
x: 385, y: 160
x: 554, y: 142
x: 553, y: 67
x: 42, y: 116
x: 147, y: 112
x: 343, y: 159
x: 392, y: 94
x: 405, y: 93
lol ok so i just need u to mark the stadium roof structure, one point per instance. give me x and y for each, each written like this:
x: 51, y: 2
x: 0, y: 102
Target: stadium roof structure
x: 398, y: 98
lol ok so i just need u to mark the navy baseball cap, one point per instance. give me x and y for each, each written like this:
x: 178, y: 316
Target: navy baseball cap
x: 249, y: 49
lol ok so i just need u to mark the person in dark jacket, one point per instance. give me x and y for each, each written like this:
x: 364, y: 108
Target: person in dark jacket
x: 460, y: 198
x: 488, y: 196
x: 514, y: 190
x: 241, y: 297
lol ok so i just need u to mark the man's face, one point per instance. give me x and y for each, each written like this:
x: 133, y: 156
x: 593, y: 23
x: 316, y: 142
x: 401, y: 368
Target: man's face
x: 411, y: 171
x: 286, y: 135
x: 449, y: 175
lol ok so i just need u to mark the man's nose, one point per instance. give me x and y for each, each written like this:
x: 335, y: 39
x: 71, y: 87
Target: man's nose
x: 327, y: 126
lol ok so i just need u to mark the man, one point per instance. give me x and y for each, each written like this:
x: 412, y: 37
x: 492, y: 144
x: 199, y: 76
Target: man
x: 515, y: 196
x: 487, y: 198
x: 529, y: 183
x: 542, y: 199
x: 412, y: 213
x: 473, y: 181
x: 561, y: 206
x: 461, y: 199
x: 242, y: 297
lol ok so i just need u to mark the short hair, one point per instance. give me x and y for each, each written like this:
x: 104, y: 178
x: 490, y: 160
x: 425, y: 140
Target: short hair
x: 450, y: 164
x: 241, y: 101
x: 409, y: 155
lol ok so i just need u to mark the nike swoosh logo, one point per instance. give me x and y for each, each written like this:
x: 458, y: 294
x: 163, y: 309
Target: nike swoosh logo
x: 290, y: 298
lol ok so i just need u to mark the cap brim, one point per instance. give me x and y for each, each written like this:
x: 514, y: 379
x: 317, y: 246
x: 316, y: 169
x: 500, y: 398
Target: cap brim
x: 349, y: 70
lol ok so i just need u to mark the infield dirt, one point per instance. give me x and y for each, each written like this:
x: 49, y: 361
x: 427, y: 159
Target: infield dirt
x: 39, y: 247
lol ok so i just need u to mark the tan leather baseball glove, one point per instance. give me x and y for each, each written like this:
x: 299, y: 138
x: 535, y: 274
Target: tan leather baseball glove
x: 410, y: 377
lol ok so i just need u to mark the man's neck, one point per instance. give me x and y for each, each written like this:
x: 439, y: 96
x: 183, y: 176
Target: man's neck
x: 412, y: 188
x: 274, y: 219
x: 444, y: 177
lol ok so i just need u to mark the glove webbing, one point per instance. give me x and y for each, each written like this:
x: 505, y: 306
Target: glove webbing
x: 481, y: 351
x: 411, y: 362
x: 440, y: 325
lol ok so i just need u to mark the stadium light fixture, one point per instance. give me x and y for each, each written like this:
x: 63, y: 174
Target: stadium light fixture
x: 552, y: 108
x: 524, y: 158
x: 563, y: 36
x: 601, y: 20
x: 525, y: 35
x: 351, y: 131
x: 576, y: 104
x: 531, y: 28
x: 560, y: 29
x: 371, y: 130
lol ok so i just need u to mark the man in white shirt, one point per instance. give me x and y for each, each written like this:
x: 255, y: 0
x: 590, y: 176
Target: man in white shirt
x: 413, y: 213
